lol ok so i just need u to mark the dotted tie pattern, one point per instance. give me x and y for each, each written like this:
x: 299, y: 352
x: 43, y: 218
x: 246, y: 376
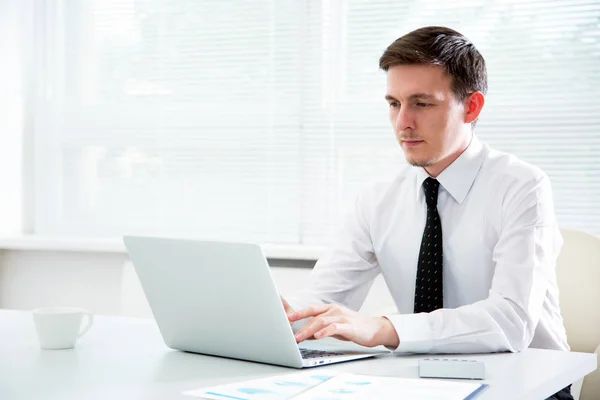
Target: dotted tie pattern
x: 429, y: 289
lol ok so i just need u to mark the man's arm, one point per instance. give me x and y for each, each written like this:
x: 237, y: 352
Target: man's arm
x: 525, y: 258
x: 346, y: 272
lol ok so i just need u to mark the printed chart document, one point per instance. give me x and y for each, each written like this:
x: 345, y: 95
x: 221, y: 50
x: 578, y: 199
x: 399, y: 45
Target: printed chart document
x: 350, y: 386
x: 280, y: 387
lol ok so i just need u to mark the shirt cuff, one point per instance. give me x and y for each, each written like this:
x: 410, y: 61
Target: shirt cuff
x: 414, y: 332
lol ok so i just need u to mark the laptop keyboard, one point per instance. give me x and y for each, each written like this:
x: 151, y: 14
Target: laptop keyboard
x: 307, y: 353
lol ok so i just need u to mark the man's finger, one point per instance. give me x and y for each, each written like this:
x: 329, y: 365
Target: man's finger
x: 286, y: 306
x: 308, y: 312
x: 310, y: 328
x: 314, y: 326
x: 335, y: 329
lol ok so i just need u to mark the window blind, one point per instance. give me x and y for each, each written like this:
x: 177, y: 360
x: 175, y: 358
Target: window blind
x: 260, y: 121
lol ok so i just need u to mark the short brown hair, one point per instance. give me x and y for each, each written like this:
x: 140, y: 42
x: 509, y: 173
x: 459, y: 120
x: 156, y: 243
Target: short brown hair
x: 442, y: 46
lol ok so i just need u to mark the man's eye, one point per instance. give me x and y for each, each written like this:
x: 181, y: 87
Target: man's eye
x: 394, y: 104
x: 423, y: 105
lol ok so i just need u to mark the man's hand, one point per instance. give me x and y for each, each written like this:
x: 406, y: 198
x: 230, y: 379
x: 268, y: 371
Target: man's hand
x: 286, y: 306
x: 344, y: 324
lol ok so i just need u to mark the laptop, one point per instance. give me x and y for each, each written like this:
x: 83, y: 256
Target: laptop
x: 219, y: 299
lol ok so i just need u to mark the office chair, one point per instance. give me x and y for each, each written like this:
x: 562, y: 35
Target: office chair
x: 578, y: 274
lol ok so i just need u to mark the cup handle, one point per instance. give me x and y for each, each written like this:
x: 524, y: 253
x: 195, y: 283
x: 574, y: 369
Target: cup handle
x: 89, y: 317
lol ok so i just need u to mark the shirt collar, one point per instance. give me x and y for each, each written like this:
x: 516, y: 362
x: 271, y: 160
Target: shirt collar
x: 459, y: 176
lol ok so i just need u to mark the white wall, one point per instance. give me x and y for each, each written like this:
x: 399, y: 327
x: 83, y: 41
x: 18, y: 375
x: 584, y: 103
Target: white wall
x: 105, y: 282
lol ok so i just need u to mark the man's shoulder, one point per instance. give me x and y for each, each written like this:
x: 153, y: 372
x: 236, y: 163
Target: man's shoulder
x: 392, y: 181
x: 385, y: 188
x: 508, y: 167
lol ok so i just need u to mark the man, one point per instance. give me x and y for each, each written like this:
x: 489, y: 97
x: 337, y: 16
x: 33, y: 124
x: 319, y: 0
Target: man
x: 465, y: 236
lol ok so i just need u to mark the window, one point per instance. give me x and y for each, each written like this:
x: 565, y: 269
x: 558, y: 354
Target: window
x: 260, y: 121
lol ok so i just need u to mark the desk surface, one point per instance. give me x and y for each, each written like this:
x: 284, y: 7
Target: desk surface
x: 125, y: 358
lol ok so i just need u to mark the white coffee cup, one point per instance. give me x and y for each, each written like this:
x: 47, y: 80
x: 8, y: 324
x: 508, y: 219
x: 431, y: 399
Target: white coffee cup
x: 60, y: 327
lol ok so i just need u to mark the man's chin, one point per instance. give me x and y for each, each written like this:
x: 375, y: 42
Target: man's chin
x: 420, y: 163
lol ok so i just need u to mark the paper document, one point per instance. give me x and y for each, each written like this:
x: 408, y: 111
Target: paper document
x: 280, y: 387
x: 350, y: 386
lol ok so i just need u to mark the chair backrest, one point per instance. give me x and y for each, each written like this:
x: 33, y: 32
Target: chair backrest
x: 591, y: 384
x: 578, y: 274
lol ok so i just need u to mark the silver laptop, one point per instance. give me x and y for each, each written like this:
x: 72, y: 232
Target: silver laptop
x: 220, y: 299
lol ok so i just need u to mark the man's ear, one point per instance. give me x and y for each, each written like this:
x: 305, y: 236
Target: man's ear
x: 473, y: 106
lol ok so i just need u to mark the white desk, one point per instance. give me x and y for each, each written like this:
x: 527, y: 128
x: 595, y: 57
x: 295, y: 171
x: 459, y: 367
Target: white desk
x: 123, y: 358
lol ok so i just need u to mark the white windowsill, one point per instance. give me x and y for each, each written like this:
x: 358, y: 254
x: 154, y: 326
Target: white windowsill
x: 115, y: 245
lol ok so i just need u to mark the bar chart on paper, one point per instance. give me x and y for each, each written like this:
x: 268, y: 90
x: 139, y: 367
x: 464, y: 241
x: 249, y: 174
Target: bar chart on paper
x: 307, y: 386
x: 273, y: 388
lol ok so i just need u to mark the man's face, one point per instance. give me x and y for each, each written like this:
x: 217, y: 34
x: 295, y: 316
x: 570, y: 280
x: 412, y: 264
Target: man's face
x: 428, y: 120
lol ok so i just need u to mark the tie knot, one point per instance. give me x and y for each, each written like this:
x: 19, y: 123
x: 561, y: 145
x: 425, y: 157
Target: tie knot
x: 431, y: 187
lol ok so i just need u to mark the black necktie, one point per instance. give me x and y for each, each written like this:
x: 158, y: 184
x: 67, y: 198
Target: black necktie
x: 429, y: 294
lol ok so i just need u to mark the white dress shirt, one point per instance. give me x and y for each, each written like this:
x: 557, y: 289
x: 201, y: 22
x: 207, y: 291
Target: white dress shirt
x: 500, y: 244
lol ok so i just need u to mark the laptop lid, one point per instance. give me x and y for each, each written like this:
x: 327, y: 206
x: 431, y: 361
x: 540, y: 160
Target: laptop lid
x: 214, y: 298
